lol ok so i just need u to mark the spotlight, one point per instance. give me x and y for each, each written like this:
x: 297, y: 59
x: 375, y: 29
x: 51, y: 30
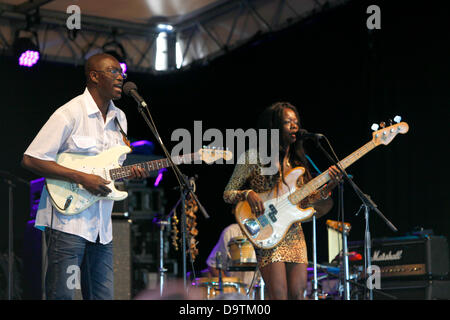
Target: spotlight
x: 123, y: 65
x: 26, y: 50
x: 164, y: 27
x: 29, y: 58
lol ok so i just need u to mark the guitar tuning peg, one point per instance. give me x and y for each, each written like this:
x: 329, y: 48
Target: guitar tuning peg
x: 374, y: 127
x: 382, y: 124
x: 397, y: 119
x: 390, y: 122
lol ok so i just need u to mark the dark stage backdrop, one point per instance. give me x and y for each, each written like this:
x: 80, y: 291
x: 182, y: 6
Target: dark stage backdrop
x: 341, y: 77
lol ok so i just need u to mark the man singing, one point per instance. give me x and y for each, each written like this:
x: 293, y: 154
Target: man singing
x: 88, y: 124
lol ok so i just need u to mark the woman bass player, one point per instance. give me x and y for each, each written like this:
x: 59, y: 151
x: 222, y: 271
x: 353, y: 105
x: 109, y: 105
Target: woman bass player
x: 283, y: 267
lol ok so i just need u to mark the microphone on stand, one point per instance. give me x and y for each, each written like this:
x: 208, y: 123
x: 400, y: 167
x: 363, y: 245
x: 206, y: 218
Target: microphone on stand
x: 303, y: 134
x: 130, y: 89
x: 219, y: 267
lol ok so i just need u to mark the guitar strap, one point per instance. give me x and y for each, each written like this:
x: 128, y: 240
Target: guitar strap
x: 124, y: 135
x: 313, y: 164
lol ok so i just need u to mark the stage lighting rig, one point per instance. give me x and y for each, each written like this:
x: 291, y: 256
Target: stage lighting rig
x: 26, y: 48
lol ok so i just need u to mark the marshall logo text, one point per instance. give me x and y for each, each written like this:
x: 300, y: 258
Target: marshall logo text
x: 383, y: 256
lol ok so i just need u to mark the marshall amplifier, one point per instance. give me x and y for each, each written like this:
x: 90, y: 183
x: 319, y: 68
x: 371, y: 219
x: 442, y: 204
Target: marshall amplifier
x: 414, y: 289
x: 426, y: 256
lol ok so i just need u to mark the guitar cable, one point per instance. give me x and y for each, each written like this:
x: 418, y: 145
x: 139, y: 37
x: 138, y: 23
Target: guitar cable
x: 45, y: 260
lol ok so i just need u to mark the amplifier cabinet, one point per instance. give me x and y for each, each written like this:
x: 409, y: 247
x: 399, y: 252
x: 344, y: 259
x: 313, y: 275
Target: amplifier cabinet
x: 414, y: 290
x: 407, y: 256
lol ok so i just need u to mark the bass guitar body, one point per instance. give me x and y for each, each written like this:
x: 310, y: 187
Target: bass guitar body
x: 267, y: 230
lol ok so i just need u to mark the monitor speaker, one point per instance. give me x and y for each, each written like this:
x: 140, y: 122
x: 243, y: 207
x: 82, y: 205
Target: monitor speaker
x: 121, y: 259
x: 123, y: 270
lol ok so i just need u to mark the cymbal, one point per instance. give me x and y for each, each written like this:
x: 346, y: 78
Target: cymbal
x: 322, y: 207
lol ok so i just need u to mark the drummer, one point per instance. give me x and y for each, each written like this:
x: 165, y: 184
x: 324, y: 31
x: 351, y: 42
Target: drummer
x: 230, y: 232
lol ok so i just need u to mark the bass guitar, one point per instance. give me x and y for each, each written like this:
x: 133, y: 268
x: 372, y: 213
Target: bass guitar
x: 281, y: 210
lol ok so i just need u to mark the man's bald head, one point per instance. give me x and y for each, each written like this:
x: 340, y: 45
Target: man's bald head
x: 104, y: 77
x: 96, y: 62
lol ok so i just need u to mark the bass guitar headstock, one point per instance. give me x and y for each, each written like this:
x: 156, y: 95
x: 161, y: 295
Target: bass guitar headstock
x: 386, y: 134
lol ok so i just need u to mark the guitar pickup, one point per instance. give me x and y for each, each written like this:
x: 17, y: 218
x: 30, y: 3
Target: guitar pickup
x: 273, y: 212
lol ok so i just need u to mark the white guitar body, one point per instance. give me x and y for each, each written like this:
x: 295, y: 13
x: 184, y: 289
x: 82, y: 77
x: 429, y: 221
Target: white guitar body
x: 71, y: 198
x: 270, y: 228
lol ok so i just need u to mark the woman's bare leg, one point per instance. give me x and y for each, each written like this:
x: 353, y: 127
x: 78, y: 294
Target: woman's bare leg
x: 274, y: 275
x: 297, y: 280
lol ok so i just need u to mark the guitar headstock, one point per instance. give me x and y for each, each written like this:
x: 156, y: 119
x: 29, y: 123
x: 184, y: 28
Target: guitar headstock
x: 386, y: 134
x: 209, y: 155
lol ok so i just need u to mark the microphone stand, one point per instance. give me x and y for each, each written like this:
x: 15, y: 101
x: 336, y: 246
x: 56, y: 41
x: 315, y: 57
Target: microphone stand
x: 369, y: 205
x: 315, y: 280
x: 8, y: 179
x: 219, y: 267
x: 344, y: 243
x: 162, y: 223
x: 185, y: 187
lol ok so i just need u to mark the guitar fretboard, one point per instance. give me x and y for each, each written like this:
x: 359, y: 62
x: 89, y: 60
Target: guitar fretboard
x: 124, y: 172
x: 324, y: 177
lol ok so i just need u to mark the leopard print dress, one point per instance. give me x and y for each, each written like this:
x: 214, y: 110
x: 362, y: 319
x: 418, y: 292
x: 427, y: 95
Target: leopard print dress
x: 247, y: 176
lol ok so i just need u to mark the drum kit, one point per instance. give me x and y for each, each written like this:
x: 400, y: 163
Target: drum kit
x: 242, y: 260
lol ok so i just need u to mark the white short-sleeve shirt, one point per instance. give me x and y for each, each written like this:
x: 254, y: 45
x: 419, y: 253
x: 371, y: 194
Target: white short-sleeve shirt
x: 230, y: 232
x: 78, y: 127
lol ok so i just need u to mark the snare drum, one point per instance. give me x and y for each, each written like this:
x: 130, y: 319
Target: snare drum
x: 211, y: 288
x: 241, y: 251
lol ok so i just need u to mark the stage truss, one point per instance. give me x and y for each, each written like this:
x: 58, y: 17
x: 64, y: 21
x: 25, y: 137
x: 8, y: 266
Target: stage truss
x: 199, y: 36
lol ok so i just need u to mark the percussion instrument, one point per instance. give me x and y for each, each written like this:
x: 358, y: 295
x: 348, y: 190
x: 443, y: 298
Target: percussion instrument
x: 242, y: 252
x: 210, y: 286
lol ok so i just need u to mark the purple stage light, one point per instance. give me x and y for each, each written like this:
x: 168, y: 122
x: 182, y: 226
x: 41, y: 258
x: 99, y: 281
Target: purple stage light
x: 29, y: 58
x: 124, y: 67
x: 159, y: 177
x: 141, y: 143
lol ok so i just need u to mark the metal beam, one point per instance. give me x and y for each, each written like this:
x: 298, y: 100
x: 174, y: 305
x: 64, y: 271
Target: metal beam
x: 28, y: 6
x: 202, y: 35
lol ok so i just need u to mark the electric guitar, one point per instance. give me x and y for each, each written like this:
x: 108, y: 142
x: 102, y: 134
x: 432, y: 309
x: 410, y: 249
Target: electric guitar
x: 71, y: 198
x: 281, y: 210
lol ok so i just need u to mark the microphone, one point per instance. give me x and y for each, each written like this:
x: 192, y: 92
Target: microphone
x: 303, y: 134
x: 130, y: 89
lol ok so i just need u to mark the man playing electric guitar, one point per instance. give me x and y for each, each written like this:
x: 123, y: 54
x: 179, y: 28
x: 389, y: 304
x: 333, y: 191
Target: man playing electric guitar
x: 88, y: 124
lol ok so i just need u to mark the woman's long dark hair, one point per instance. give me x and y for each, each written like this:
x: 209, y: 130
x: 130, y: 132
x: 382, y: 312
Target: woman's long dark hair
x: 272, y: 118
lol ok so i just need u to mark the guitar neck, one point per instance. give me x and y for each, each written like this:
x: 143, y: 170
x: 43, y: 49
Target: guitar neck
x: 125, y: 172
x: 324, y: 177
